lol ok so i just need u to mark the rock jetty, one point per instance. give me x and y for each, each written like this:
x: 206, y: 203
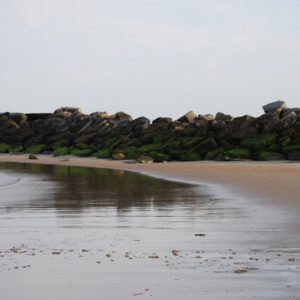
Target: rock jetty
x: 275, y: 135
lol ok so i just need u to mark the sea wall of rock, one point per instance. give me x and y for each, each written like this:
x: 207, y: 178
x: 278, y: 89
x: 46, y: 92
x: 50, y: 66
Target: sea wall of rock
x: 275, y: 135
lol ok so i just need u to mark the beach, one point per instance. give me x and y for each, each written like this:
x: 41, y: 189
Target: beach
x: 86, y: 227
x: 277, y: 182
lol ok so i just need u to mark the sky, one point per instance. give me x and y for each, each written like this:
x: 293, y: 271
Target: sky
x: 149, y: 57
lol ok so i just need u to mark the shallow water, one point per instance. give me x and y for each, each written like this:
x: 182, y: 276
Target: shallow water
x: 74, y: 233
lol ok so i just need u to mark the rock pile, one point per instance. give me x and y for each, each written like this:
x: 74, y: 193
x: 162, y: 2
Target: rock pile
x: 273, y: 136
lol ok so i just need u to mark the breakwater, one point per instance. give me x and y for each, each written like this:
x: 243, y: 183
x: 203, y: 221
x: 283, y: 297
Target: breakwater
x: 275, y: 135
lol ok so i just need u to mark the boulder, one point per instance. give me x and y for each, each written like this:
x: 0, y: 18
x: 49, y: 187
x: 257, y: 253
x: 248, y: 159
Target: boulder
x: 121, y: 116
x: 277, y: 105
x: 72, y: 110
x: 141, y: 123
x: 206, y: 146
x: 188, y: 117
x: 99, y: 114
x: 269, y: 156
x: 207, y: 117
x: 288, y: 111
x: 37, y: 116
x: 291, y: 115
x: 162, y: 121
x: 144, y: 159
x: 224, y: 118
x: 117, y: 156
x: 176, y: 125
x: 18, y: 117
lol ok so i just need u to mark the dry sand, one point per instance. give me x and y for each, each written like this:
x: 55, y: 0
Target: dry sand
x: 278, y: 182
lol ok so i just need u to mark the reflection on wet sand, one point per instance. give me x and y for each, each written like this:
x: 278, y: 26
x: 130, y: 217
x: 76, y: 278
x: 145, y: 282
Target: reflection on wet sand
x: 81, y: 188
x: 97, y: 229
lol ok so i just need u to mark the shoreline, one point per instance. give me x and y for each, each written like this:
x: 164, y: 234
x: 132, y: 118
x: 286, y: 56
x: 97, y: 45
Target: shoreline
x: 276, y: 182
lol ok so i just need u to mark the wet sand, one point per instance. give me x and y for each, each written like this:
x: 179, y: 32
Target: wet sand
x: 275, y: 182
x: 80, y: 237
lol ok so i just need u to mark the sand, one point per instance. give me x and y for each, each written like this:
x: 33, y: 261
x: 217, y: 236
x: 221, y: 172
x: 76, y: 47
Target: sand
x: 276, y: 182
x: 245, y: 250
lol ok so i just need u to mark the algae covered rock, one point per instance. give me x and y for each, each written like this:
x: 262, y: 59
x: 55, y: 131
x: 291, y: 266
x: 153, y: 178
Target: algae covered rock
x: 237, y: 154
x: 206, y: 146
x: 144, y: 159
x: 61, y: 151
x: 292, y: 152
x: 268, y: 156
x: 190, y: 156
x: 4, y: 148
x: 117, y: 156
x: 259, y: 143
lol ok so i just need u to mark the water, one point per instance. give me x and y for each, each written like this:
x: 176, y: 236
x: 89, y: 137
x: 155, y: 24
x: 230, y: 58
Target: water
x: 74, y: 233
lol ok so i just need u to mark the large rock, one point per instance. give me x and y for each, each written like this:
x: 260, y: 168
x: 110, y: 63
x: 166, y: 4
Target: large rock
x: 188, y: 118
x: 277, y: 105
x: 99, y: 114
x: 290, y: 112
x: 162, y: 121
x: 37, y: 116
x: 18, y: 117
x: 121, y: 116
x: 224, y: 118
x: 68, y: 109
x: 208, y: 117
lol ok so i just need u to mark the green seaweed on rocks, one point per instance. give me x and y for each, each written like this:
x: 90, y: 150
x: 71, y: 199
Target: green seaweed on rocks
x: 206, y: 146
x: 190, y: 156
x: 4, y: 148
x: 16, y: 149
x: 211, y: 155
x: 131, y: 152
x: 274, y: 148
x: 260, y: 143
x: 160, y: 157
x: 149, y: 148
x: 284, y: 141
x: 61, y: 151
x: 36, y: 149
x: 267, y: 156
x: 237, y: 154
x: 103, y: 153
x: 81, y: 152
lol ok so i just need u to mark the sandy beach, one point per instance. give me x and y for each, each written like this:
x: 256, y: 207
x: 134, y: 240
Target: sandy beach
x: 278, y: 182
x: 234, y: 234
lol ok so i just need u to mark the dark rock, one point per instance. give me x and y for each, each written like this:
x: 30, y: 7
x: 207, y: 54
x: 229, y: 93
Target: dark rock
x: 268, y: 156
x: 188, y: 117
x: 207, y: 117
x: 100, y: 115
x: 176, y: 126
x: 18, y: 117
x: 206, y: 146
x: 188, y: 131
x: 117, y: 156
x: 223, y: 118
x: 292, y: 111
x: 69, y: 109
x: 293, y: 155
x: 277, y: 105
x: 37, y: 116
x: 162, y: 121
x: 141, y: 123
x: 32, y: 156
x: 145, y: 159
x: 121, y: 116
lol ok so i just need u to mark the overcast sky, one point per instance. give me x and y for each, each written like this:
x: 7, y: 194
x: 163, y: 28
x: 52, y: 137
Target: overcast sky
x: 149, y: 57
